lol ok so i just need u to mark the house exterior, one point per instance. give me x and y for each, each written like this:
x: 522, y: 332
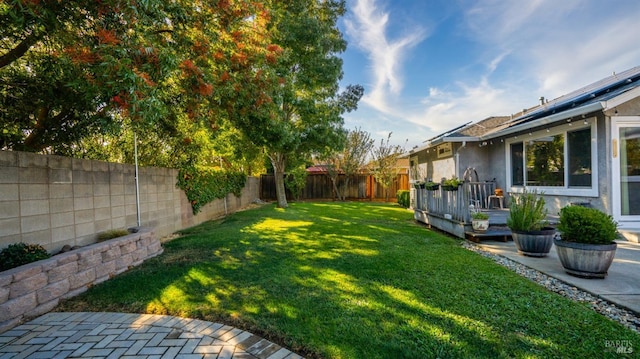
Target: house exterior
x: 581, y: 148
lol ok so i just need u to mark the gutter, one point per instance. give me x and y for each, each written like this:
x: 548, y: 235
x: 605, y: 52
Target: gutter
x: 438, y: 141
x: 592, y: 107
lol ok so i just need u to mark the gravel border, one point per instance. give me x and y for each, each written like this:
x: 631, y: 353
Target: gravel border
x: 624, y: 316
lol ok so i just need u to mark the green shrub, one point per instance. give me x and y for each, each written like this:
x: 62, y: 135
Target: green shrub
x: 296, y: 180
x: 113, y: 233
x: 586, y: 225
x: 18, y: 254
x: 203, y: 185
x: 403, y: 198
x: 527, y: 212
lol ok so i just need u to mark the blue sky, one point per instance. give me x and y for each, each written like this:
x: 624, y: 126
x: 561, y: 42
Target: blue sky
x: 430, y: 65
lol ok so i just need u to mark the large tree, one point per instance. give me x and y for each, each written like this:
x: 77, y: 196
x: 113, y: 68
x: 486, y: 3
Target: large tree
x: 303, y: 114
x: 77, y: 75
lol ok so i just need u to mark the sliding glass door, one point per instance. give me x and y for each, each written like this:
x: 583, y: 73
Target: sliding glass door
x: 626, y: 168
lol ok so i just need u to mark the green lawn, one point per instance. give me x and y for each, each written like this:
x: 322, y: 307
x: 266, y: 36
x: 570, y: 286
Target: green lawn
x: 355, y: 280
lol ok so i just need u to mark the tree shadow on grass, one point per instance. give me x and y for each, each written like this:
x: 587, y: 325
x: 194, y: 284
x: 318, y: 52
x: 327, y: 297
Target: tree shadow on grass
x: 347, y: 281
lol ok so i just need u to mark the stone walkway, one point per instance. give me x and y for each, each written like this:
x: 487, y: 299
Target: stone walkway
x: 120, y: 335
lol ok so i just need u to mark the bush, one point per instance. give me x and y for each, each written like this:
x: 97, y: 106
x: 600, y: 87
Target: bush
x: 527, y: 212
x: 403, y: 198
x: 18, y: 254
x: 203, y: 185
x: 586, y: 225
x: 295, y: 181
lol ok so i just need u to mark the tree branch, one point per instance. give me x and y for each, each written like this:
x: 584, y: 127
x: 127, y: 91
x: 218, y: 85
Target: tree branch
x: 18, y: 51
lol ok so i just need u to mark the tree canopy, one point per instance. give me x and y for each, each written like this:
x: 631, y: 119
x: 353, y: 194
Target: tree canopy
x: 304, y: 113
x: 75, y: 75
x: 199, y: 82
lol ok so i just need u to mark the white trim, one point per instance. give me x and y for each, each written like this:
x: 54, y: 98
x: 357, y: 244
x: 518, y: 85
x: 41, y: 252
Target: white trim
x: 564, y: 190
x: 440, y: 141
x: 616, y: 123
x: 622, y: 98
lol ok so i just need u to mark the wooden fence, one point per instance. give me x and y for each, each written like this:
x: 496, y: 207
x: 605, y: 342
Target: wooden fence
x: 319, y: 186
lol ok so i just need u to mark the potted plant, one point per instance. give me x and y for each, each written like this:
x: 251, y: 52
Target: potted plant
x: 529, y: 226
x: 418, y: 184
x: 451, y: 184
x: 479, y: 221
x: 431, y: 186
x: 586, y: 246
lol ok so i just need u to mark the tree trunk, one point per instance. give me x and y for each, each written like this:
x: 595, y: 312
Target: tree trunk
x: 279, y: 162
x: 334, y: 181
x: 347, y: 182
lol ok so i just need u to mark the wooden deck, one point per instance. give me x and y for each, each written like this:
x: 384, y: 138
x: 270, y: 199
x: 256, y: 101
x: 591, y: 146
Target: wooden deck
x: 498, y: 229
x: 450, y: 211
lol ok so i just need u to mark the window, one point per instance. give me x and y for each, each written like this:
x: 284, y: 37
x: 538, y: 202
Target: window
x: 545, y: 161
x: 560, y: 161
x: 517, y: 161
x: 579, y: 158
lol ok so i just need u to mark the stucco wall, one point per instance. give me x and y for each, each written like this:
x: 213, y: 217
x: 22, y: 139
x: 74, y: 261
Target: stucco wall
x: 489, y: 161
x: 555, y: 202
x: 55, y: 201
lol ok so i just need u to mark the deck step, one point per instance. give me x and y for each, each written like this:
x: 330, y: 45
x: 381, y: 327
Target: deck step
x: 499, y: 234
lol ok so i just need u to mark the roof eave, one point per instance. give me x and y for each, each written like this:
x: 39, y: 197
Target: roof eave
x: 583, y: 110
x: 440, y: 141
x: 622, y: 98
x: 461, y: 139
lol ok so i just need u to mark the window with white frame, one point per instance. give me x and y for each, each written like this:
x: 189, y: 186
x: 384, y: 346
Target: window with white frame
x: 560, y: 160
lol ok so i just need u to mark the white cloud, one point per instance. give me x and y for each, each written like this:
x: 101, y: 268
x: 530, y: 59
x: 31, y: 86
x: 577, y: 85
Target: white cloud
x: 495, y: 62
x: 469, y: 103
x: 611, y: 47
x: 559, y: 46
x: 368, y: 29
x: 521, y: 50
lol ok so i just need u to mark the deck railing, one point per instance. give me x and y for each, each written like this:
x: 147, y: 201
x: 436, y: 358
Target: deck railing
x: 455, y: 204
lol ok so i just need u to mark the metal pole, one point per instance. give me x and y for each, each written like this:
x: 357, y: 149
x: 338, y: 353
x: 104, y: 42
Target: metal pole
x: 225, y: 196
x: 135, y: 154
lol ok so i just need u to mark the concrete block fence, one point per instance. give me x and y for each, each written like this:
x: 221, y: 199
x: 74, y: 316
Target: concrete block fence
x: 33, y: 289
x: 56, y: 201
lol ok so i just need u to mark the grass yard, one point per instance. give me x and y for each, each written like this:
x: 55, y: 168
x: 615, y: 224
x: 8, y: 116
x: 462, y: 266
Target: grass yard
x: 355, y: 280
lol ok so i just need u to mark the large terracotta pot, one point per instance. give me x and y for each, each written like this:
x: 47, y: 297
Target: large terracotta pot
x: 586, y: 260
x: 534, y: 243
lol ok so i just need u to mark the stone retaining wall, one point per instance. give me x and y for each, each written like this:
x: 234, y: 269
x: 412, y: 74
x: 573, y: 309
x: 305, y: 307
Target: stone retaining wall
x: 36, y: 288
